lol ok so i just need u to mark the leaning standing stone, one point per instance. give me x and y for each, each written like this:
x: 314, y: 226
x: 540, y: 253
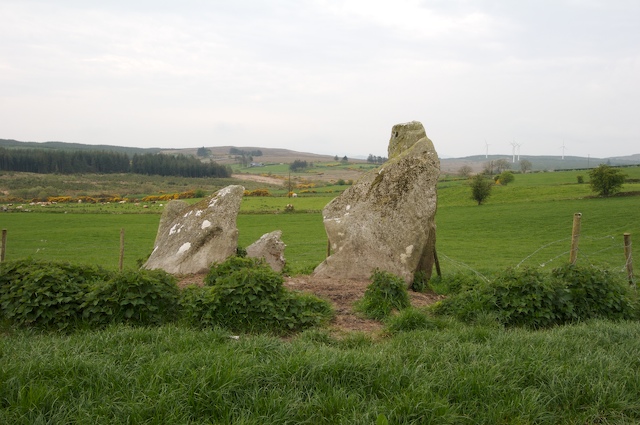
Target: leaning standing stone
x: 191, y: 238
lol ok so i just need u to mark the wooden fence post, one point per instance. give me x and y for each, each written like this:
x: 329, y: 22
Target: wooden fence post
x: 437, y: 262
x: 575, y: 236
x: 121, y: 262
x: 627, y: 256
x: 3, y: 249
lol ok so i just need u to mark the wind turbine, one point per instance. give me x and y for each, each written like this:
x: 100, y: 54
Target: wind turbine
x: 518, y: 146
x: 513, y: 151
x: 486, y: 152
x: 563, y: 149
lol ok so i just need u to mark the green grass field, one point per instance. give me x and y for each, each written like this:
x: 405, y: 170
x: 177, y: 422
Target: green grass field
x: 318, y: 167
x: 527, y: 222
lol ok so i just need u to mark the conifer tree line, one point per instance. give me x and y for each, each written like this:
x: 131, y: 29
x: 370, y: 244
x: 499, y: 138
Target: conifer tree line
x: 372, y: 159
x: 176, y: 165
x: 105, y: 162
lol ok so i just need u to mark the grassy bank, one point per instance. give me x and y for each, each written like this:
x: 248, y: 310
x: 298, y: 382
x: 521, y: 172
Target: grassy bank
x: 454, y: 374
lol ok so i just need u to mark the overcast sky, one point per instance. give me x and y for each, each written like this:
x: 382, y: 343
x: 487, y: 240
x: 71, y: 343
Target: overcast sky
x: 324, y: 76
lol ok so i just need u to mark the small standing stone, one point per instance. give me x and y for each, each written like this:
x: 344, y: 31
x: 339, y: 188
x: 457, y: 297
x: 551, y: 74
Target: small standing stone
x: 271, y: 248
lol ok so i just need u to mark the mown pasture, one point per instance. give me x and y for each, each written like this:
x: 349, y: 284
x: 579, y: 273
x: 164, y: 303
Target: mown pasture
x: 527, y: 222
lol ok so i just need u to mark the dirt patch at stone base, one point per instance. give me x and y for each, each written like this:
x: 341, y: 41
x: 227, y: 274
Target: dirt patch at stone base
x: 342, y: 293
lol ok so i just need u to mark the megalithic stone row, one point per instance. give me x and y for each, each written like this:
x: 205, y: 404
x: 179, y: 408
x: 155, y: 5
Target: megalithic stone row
x: 386, y: 220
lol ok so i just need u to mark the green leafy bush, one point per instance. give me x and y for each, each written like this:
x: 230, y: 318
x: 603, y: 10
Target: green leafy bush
x: 591, y: 292
x: 304, y: 310
x: 517, y: 297
x: 246, y: 295
x: 527, y: 297
x: 480, y: 188
x: 142, y: 297
x: 385, y: 293
x: 230, y: 265
x: 248, y: 299
x: 468, y: 304
x: 198, y: 306
x: 453, y: 283
x: 505, y: 178
x: 45, y: 294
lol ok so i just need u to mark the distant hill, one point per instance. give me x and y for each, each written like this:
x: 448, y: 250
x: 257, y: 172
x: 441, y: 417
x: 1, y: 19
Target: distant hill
x: 218, y: 153
x: 10, y: 143
x: 222, y: 155
x: 635, y: 157
x: 538, y: 163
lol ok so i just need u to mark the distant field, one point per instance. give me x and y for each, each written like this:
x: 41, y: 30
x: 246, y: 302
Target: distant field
x: 318, y: 172
x: 527, y: 222
x: 31, y: 185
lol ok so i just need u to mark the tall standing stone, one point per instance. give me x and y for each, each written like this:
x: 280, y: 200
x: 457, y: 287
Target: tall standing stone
x: 191, y: 238
x: 386, y: 220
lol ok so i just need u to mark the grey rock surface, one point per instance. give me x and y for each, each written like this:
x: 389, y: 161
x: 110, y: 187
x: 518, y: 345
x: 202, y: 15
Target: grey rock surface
x: 191, y: 238
x: 271, y: 248
x: 386, y: 220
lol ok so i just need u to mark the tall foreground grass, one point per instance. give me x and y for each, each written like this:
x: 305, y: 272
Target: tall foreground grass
x: 588, y: 373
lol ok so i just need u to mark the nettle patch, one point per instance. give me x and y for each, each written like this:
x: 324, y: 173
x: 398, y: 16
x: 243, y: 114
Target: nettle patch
x: 528, y: 297
x: 55, y: 295
x: 244, y: 294
x: 240, y: 295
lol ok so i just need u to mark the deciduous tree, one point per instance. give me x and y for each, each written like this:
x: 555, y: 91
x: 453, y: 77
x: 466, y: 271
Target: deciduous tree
x: 480, y: 188
x: 501, y: 165
x: 465, y: 171
x: 606, y: 180
x: 525, y: 165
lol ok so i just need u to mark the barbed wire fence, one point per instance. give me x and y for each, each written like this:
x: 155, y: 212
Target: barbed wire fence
x: 587, y: 249
x: 48, y: 249
x: 575, y: 248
